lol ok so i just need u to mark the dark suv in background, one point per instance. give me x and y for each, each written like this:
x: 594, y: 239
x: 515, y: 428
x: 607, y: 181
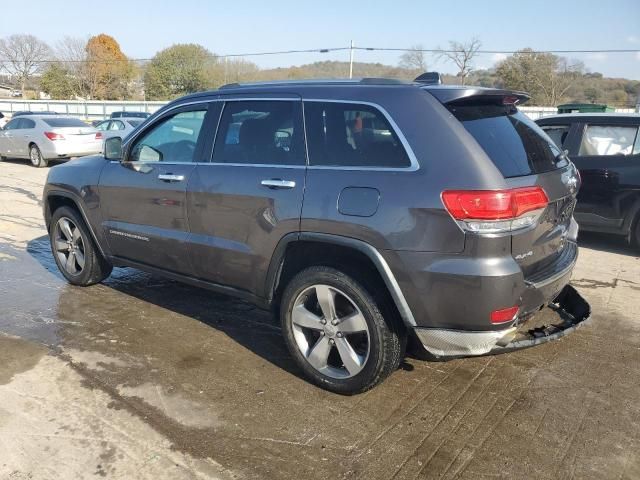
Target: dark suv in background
x: 606, y: 149
x: 363, y: 212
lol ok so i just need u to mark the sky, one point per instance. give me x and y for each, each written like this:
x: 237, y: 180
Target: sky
x: 143, y: 27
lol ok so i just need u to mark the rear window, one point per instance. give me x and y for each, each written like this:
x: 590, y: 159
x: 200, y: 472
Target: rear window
x: 515, y: 144
x: 351, y: 135
x: 134, y: 123
x: 64, y: 122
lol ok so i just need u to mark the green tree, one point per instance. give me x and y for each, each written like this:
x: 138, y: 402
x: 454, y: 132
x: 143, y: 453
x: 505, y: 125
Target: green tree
x: 57, y: 82
x: 546, y: 77
x: 178, y: 70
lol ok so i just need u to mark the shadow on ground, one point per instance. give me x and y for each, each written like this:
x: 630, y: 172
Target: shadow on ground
x: 608, y: 243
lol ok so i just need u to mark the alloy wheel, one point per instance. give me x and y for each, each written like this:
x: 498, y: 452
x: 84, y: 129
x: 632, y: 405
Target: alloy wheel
x: 34, y: 155
x: 330, y: 331
x: 69, y: 246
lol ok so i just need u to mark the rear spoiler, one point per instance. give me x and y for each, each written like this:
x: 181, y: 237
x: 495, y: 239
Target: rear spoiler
x: 452, y: 96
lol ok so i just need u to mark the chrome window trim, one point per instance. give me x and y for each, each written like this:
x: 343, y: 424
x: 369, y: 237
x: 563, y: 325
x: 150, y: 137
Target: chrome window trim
x: 414, y: 166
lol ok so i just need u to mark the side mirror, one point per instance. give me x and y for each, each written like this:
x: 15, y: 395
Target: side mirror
x: 113, y: 148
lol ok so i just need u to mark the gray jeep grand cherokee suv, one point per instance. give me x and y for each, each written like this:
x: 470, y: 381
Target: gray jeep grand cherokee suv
x: 363, y: 212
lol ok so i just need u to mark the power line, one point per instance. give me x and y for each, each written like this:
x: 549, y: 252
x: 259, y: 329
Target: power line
x: 338, y: 49
x: 441, y: 50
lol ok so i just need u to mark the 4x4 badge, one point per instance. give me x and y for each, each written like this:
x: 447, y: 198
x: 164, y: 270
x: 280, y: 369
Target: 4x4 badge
x: 570, y: 180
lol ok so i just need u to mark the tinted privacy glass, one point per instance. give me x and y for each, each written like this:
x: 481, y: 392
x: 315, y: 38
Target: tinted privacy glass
x: 64, y: 122
x: 608, y: 140
x: 260, y: 132
x: 173, y: 140
x: 515, y: 144
x: 351, y: 135
x: 557, y: 133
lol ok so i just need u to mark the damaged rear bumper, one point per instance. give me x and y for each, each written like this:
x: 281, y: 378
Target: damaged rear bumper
x: 572, y: 312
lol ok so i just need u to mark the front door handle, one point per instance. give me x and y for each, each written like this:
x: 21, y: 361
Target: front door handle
x: 170, y: 177
x: 278, y: 183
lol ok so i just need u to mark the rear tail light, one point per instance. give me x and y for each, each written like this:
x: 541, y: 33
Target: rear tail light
x: 504, y: 315
x: 493, y: 211
x: 98, y: 136
x: 54, y: 136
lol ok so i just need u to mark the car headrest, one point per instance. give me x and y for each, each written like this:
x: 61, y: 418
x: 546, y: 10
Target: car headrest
x: 255, y: 132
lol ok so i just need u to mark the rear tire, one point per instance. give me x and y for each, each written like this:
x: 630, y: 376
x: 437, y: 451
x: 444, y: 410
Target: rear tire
x: 35, y: 155
x: 74, y: 250
x: 356, y: 350
x: 635, y: 233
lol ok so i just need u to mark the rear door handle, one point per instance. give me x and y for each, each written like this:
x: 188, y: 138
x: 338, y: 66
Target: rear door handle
x: 170, y: 177
x: 278, y: 183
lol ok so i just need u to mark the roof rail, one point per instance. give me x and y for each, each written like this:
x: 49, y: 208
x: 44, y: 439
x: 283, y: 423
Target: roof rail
x: 429, y: 78
x: 331, y: 81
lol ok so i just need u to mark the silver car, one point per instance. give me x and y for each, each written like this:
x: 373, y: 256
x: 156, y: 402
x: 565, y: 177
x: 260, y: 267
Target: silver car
x: 41, y: 138
x: 120, y: 127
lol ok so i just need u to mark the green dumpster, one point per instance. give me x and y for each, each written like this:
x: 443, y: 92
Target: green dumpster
x: 584, y: 108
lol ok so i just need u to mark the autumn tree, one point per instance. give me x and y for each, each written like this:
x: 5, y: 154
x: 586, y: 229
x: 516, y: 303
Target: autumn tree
x: 462, y: 55
x: 414, y: 59
x: 107, y: 70
x: 546, y: 77
x: 22, y: 56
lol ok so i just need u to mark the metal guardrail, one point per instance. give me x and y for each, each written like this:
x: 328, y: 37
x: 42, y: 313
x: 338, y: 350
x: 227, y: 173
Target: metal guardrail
x: 86, y: 110
x: 99, y: 109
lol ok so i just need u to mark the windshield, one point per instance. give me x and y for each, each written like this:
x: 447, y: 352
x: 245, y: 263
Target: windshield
x: 515, y: 144
x: 64, y: 122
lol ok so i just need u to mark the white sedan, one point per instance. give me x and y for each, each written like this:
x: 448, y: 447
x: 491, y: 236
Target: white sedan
x: 118, y: 127
x: 41, y: 138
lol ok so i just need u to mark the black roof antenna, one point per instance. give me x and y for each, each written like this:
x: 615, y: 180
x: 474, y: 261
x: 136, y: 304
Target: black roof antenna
x: 429, y: 78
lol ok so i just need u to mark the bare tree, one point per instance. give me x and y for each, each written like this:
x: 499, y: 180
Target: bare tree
x: 462, y: 54
x: 22, y: 56
x: 414, y: 59
x: 72, y: 54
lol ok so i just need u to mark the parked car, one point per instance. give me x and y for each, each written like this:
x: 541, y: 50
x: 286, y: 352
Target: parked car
x: 120, y: 127
x: 362, y: 212
x: 606, y: 149
x: 41, y: 138
x: 130, y: 114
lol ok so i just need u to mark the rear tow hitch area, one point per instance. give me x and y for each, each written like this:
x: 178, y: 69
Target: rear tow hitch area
x: 572, y: 311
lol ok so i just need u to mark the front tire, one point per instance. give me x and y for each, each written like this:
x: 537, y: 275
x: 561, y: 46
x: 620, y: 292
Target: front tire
x: 74, y: 250
x: 35, y: 155
x: 336, y: 332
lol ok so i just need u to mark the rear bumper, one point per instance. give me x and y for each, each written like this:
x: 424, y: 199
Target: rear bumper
x: 572, y: 312
x: 64, y: 149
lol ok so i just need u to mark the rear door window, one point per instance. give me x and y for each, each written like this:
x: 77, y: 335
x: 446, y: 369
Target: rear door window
x: 515, y: 144
x: 351, y: 135
x: 608, y: 140
x: 557, y: 133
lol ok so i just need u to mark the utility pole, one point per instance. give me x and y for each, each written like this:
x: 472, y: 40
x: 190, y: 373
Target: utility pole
x: 351, y: 60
